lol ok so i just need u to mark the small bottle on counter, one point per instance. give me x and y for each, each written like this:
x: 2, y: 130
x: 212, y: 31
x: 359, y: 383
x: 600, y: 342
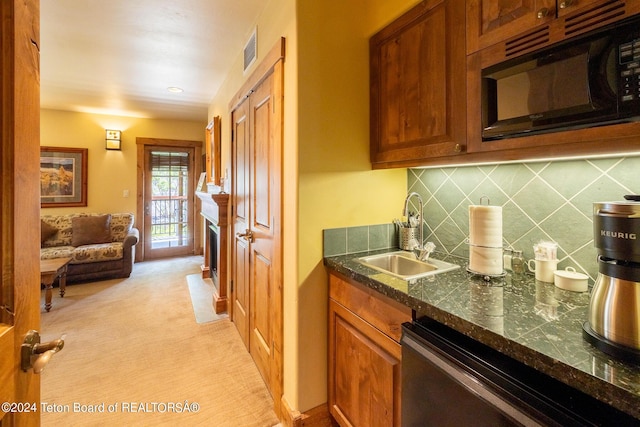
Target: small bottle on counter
x: 517, y: 262
x: 507, y: 254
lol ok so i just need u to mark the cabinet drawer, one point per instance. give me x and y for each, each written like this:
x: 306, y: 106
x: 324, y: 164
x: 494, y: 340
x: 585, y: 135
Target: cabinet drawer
x: 380, y: 311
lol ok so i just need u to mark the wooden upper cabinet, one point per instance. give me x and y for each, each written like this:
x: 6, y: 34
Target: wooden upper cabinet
x: 418, y: 108
x: 521, y: 26
x: 491, y: 21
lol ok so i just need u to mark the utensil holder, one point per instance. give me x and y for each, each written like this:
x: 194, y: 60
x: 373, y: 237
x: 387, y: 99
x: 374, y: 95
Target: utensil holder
x: 405, y: 235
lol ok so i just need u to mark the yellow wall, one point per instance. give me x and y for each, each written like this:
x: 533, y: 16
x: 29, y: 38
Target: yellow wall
x: 337, y: 186
x: 110, y: 173
x: 328, y: 181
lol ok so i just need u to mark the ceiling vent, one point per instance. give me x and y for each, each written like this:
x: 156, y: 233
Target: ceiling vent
x: 250, y: 50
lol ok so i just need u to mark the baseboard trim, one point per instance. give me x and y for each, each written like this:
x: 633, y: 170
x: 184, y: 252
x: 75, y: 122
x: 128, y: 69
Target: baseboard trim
x: 315, y: 417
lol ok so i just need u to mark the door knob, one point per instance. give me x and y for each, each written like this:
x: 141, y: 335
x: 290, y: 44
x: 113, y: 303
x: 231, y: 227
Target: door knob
x: 248, y: 234
x: 36, y: 355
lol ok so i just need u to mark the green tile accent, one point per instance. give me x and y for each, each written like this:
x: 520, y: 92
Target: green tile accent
x: 512, y: 177
x: 357, y: 239
x: 449, y: 195
x: 379, y: 236
x: 334, y: 241
x: 341, y: 241
x: 626, y: 174
x: 540, y: 200
x: 570, y: 178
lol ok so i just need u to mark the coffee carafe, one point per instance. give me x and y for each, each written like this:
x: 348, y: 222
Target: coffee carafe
x: 613, y: 320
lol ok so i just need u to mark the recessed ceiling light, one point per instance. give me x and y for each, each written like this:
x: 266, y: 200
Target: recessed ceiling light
x: 174, y: 89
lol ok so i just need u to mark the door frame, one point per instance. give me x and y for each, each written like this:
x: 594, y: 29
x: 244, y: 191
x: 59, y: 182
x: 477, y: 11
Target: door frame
x: 20, y: 205
x: 143, y: 143
x: 272, y: 63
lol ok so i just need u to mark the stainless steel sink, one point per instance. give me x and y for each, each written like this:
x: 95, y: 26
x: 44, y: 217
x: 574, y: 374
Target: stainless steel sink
x: 404, y: 265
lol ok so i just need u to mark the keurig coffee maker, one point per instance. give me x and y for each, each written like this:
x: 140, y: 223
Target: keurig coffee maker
x: 613, y: 320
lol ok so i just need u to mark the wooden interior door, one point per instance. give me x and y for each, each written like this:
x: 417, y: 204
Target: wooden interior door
x: 264, y: 213
x: 20, y: 206
x: 240, y: 220
x: 256, y: 171
x: 257, y: 218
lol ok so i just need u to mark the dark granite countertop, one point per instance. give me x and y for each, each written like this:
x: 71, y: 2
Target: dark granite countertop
x: 531, y: 321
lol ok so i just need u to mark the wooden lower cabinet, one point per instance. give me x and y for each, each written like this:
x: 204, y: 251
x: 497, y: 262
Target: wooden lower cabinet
x: 364, y: 355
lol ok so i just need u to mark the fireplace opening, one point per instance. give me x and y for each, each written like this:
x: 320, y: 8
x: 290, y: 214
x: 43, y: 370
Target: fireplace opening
x: 213, y: 252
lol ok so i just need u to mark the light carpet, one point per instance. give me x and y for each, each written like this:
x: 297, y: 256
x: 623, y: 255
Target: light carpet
x: 133, y: 350
x: 201, y: 292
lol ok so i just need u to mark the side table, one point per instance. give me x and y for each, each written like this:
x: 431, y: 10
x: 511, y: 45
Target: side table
x: 50, y: 269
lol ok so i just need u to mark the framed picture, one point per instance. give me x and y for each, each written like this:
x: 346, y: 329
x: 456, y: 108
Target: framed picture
x: 63, y: 177
x: 213, y: 147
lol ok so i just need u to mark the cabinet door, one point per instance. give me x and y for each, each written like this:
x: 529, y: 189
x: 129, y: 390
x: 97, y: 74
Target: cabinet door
x: 526, y: 25
x: 418, y: 105
x: 566, y: 7
x: 491, y: 21
x: 364, y: 372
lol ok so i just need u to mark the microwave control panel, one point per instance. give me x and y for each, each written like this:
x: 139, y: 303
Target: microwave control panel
x: 629, y: 58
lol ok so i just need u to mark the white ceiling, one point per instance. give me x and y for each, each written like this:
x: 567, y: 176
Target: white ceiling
x: 120, y: 56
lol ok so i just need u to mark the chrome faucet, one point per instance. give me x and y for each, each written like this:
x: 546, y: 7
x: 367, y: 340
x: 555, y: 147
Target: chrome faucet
x: 420, y: 250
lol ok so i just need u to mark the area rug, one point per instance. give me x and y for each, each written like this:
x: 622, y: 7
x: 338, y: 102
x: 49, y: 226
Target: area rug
x: 201, y: 291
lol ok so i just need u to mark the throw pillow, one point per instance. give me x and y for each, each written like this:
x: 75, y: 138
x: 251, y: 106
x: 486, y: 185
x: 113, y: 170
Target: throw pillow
x: 90, y: 230
x: 46, y: 231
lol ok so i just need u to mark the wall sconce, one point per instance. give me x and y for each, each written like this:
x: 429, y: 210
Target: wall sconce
x: 113, y: 140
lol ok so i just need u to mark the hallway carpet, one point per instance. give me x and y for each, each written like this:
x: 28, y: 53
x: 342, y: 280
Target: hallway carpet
x: 134, y: 355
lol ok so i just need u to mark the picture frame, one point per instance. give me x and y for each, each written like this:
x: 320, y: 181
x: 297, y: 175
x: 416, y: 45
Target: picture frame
x: 213, y: 150
x: 63, y: 177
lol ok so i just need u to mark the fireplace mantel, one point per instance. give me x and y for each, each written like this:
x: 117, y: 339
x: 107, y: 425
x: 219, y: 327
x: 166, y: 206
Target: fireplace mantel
x: 215, y: 210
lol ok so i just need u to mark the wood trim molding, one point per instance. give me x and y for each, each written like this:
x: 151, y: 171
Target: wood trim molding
x: 168, y: 142
x: 261, y: 72
x: 141, y: 143
x: 215, y: 209
x: 314, y: 417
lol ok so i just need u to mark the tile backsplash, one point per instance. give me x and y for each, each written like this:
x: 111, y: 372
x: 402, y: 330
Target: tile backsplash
x: 349, y: 240
x: 540, y: 200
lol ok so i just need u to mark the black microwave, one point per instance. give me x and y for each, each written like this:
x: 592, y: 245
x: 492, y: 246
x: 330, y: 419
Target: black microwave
x: 590, y: 80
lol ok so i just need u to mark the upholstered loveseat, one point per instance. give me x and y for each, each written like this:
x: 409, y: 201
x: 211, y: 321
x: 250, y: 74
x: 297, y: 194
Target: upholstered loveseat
x: 101, y: 246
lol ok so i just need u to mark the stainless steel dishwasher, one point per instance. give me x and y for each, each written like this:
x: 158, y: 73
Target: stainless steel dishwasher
x: 449, y: 379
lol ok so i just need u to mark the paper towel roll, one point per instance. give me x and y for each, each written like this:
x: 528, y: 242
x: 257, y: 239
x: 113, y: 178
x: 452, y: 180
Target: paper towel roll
x: 485, y: 260
x: 485, y: 226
